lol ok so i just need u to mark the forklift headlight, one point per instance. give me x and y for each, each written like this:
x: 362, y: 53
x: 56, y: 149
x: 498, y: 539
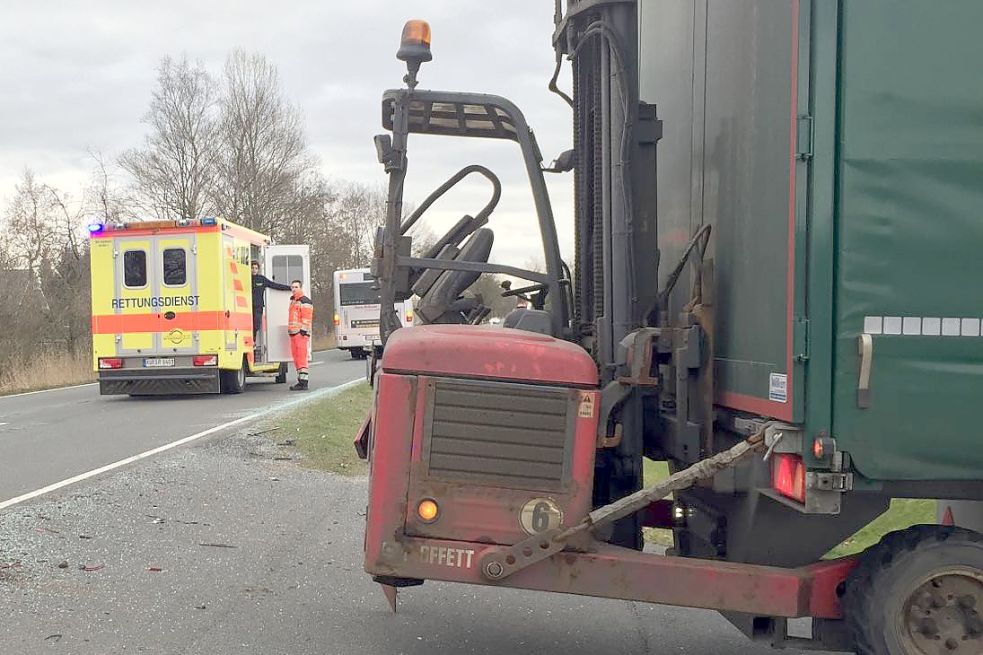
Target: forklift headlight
x: 427, y: 510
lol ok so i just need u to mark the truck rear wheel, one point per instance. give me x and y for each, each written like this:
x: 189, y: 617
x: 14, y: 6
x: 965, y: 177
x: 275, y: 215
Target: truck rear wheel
x: 918, y: 592
x: 233, y: 381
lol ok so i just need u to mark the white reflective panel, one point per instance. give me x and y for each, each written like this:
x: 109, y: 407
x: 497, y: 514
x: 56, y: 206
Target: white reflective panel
x: 873, y: 325
x: 892, y: 325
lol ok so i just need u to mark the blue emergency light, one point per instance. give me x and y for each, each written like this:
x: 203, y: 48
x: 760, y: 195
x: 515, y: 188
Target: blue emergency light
x: 95, y: 228
x: 209, y: 221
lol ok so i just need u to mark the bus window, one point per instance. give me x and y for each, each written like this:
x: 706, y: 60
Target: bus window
x: 135, y: 268
x: 358, y: 293
x: 175, y: 267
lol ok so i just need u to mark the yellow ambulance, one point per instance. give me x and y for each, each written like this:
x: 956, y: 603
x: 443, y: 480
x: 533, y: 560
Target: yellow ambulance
x: 172, y: 306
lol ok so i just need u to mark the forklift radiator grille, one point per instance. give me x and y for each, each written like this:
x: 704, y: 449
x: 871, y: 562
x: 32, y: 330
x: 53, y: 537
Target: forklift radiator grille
x: 510, y: 435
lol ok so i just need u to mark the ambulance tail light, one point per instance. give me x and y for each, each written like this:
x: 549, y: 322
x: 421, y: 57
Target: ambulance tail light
x: 205, y: 360
x: 409, y: 315
x: 788, y: 476
x: 110, y: 362
x: 337, y: 320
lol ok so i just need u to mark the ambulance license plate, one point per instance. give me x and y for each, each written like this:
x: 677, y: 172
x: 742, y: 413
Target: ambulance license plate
x: 158, y: 362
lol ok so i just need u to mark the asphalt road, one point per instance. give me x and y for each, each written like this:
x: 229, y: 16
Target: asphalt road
x: 54, y: 435
x: 220, y: 548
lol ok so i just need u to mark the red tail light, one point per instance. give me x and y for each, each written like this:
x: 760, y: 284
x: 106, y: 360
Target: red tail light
x: 337, y: 320
x: 788, y: 476
x: 409, y: 315
x: 205, y: 360
x: 110, y: 362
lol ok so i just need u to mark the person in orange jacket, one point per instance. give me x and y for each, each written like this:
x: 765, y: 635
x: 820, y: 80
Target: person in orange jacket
x: 299, y: 328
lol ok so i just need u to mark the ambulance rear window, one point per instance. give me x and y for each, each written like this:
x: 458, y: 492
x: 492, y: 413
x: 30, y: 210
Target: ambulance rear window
x: 175, y: 267
x: 135, y: 268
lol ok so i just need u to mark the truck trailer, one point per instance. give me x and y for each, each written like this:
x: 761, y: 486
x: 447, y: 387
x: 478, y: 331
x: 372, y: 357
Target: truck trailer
x: 172, y: 306
x: 777, y: 220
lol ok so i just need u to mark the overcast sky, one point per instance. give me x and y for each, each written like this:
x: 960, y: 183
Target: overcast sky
x: 78, y: 75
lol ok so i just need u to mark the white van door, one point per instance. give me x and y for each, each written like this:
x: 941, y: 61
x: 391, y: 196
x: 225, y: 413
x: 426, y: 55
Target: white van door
x: 283, y: 264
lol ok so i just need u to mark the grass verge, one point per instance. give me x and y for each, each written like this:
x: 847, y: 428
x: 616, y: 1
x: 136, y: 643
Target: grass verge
x: 324, y: 342
x: 902, y: 514
x: 323, y: 430
x: 46, y: 371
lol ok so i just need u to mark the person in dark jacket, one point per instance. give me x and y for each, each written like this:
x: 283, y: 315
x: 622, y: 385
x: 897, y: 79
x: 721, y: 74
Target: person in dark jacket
x: 260, y: 284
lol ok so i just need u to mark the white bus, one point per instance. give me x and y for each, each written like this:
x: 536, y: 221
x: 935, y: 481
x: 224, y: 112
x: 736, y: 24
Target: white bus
x: 356, y: 312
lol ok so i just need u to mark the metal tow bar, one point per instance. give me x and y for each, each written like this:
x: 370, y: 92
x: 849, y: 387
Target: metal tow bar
x: 500, y: 564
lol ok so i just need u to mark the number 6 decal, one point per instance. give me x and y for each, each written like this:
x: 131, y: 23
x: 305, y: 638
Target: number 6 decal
x: 539, y: 515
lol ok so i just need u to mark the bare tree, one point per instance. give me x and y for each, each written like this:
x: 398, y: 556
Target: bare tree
x: 265, y: 162
x: 44, y: 266
x: 105, y: 198
x: 174, y: 172
x: 31, y: 233
x: 353, y: 219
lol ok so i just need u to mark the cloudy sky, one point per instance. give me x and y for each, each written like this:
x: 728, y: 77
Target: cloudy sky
x: 77, y: 76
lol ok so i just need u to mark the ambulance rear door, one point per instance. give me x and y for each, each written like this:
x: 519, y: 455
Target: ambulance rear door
x: 175, y: 258
x: 283, y: 264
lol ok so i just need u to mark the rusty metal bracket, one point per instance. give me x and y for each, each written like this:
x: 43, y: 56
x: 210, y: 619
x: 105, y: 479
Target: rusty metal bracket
x: 501, y: 563
x: 612, y: 441
x: 640, y: 347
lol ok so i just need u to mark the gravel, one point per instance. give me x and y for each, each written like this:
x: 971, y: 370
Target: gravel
x: 224, y: 548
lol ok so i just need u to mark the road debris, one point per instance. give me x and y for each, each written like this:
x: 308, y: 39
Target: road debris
x: 218, y: 545
x: 91, y: 567
x: 256, y: 433
x: 63, y: 564
x: 287, y: 442
x: 154, y: 569
x: 56, y: 637
x: 84, y: 536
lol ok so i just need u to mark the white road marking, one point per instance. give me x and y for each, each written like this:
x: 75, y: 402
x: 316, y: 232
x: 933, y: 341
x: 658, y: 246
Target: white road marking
x: 315, y: 395
x: 31, y: 393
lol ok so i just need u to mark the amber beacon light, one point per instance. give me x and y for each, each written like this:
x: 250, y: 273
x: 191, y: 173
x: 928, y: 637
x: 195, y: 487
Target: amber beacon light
x: 415, y: 42
x: 414, y: 48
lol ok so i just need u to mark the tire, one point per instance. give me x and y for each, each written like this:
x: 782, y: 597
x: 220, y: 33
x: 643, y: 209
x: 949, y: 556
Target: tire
x: 355, y: 353
x: 918, y: 592
x: 281, y: 375
x: 233, y: 381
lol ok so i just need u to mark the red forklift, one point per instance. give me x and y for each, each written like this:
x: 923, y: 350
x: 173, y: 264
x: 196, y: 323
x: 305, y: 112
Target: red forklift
x: 738, y: 309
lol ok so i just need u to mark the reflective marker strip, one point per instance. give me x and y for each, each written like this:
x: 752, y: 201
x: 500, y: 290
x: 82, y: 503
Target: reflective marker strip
x: 918, y: 326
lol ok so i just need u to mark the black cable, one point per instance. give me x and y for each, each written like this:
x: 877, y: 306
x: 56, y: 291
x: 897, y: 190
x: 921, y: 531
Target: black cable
x: 702, y: 236
x: 556, y: 75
